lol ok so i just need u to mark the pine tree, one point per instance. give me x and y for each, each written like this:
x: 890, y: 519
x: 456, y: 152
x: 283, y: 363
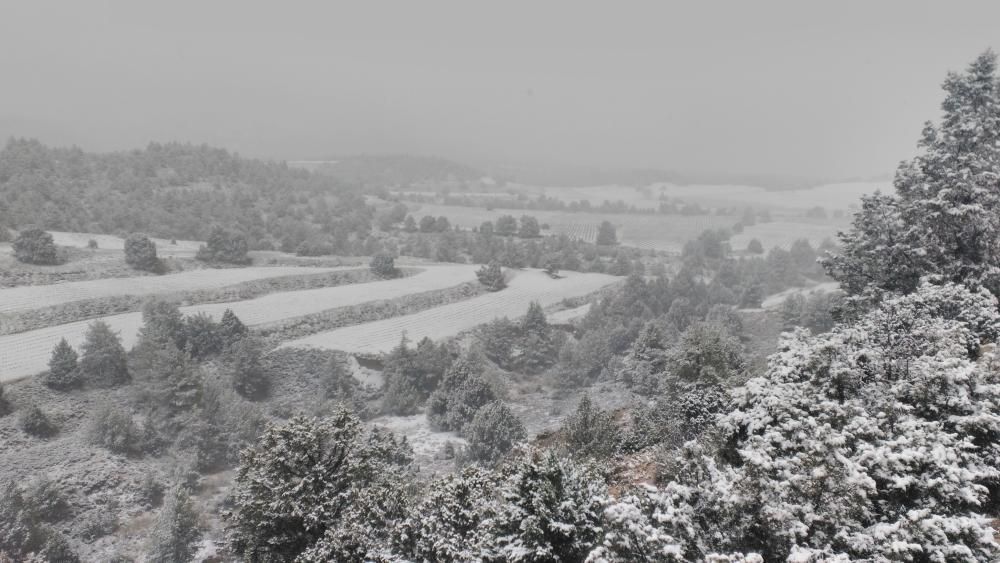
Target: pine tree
x: 943, y: 219
x: 589, y: 431
x: 383, y: 266
x: 492, y: 277
x: 309, y: 476
x: 175, y: 531
x: 529, y: 227
x: 35, y: 246
x: 493, y: 432
x: 231, y: 327
x: 606, y: 235
x: 62, y: 372
x: 247, y: 371
x: 103, y: 363
x: 140, y: 253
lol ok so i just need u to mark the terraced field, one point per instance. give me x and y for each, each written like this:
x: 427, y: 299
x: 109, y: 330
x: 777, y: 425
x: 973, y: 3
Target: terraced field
x: 25, y: 298
x: 27, y: 353
x: 164, y: 248
x: 451, y: 319
x: 783, y: 233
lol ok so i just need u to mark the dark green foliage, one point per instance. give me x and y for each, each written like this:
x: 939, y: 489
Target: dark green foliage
x: 492, y: 277
x: 493, y: 432
x: 225, y: 425
x: 606, y: 235
x: 23, y: 525
x: 103, y: 363
x: 427, y: 224
x: 162, y: 320
x: 62, y: 372
x: 529, y: 227
x: 224, y: 246
x: 755, y: 247
x: 149, y: 190
x: 35, y: 246
x: 248, y: 375
x: 36, y: 423
x: 203, y: 337
x: 315, y: 484
x: 590, y: 432
x: 115, y: 429
x: 383, y: 266
x: 412, y: 374
x: 410, y: 224
x: 463, y: 391
x: 5, y: 407
x: 506, y: 225
x: 708, y: 355
x: 231, y: 327
x: 175, y: 531
x: 167, y: 380
x: 140, y: 253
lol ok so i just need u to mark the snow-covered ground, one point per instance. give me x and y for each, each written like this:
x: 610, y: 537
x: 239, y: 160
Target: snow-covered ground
x: 26, y: 298
x: 777, y: 299
x: 27, y: 353
x: 453, y: 318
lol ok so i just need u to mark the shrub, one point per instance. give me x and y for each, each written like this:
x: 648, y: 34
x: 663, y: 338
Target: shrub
x: 36, y: 423
x: 589, y: 431
x: 755, y: 247
x: 249, y: 377
x: 606, y: 234
x: 140, y: 253
x: 35, y: 246
x: 62, y: 368
x: 103, y: 361
x: 529, y: 227
x: 492, y: 277
x: 224, y: 246
x: 203, y: 336
x: 175, y: 530
x: 115, y: 429
x: 463, y: 391
x: 92, y: 244
x: 231, y: 327
x: 493, y: 432
x: 5, y: 407
x: 383, y: 266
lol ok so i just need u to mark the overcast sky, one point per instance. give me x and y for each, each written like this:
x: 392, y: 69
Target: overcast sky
x: 793, y: 87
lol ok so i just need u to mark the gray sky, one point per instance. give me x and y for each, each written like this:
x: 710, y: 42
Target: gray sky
x: 792, y: 87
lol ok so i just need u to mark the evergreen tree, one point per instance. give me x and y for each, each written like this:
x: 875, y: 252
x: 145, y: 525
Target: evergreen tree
x: 175, y: 531
x: 35, y: 246
x: 410, y: 225
x: 755, y: 246
x: 943, y: 219
x: 231, y: 327
x: 103, y: 363
x: 589, y: 431
x: 249, y: 378
x: 203, y: 337
x: 427, y: 224
x: 492, y: 277
x: 529, y: 227
x: 140, y: 253
x: 309, y: 476
x: 493, y: 432
x: 62, y: 372
x: 383, y: 266
x: 606, y: 235
x: 224, y: 246
x: 506, y: 225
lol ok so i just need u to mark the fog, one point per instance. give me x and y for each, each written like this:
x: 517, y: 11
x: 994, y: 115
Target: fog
x: 796, y: 88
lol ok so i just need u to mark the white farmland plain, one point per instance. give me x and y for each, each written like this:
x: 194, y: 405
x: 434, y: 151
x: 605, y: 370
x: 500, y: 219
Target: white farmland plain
x: 110, y: 242
x: 27, y: 353
x: 453, y: 318
x: 26, y: 298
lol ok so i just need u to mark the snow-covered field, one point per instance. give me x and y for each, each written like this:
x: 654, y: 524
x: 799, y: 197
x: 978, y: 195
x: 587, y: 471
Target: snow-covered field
x: 27, y: 353
x: 777, y: 299
x: 164, y: 248
x: 453, y: 318
x: 24, y: 298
